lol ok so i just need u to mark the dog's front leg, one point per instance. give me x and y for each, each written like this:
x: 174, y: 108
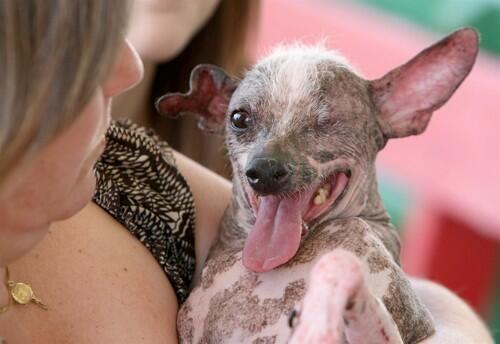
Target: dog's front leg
x: 338, y: 306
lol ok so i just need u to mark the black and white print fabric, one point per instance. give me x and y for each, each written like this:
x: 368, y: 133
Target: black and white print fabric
x: 140, y: 186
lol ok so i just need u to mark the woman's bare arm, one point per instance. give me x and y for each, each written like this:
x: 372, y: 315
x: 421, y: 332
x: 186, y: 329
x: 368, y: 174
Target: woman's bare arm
x: 211, y: 197
x: 455, y: 321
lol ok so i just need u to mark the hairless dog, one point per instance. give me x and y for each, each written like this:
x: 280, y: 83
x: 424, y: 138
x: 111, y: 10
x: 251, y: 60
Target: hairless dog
x: 306, y: 252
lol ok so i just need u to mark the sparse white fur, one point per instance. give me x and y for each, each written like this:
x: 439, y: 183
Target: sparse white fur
x: 293, y: 76
x: 310, y: 54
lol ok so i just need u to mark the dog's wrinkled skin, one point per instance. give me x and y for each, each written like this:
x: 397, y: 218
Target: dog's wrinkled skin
x: 333, y: 263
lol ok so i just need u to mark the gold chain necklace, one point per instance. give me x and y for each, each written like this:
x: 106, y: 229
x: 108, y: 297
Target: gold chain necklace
x: 21, y: 293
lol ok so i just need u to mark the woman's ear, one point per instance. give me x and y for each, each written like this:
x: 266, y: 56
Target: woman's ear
x: 406, y: 96
x: 208, y: 98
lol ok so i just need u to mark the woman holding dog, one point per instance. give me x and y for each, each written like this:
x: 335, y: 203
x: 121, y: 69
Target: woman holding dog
x: 61, y: 64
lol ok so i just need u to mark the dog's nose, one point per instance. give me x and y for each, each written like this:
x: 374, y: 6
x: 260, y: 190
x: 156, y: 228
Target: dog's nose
x: 267, y: 175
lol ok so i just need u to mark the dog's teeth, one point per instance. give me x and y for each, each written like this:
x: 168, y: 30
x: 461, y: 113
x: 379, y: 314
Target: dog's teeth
x: 319, y: 199
x: 322, y: 194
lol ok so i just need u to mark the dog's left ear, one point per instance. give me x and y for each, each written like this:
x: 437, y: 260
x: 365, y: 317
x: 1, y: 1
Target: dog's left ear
x: 210, y: 90
x: 407, y: 96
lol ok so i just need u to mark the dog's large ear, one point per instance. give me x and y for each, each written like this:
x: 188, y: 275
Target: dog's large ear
x: 407, y: 96
x: 208, y: 97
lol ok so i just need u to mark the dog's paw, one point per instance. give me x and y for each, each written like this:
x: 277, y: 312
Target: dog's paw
x: 339, y: 308
x: 334, y: 283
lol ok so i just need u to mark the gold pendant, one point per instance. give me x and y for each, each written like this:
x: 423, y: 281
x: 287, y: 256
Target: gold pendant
x: 23, y: 294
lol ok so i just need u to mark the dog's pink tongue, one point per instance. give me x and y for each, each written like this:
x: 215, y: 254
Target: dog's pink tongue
x: 275, y: 236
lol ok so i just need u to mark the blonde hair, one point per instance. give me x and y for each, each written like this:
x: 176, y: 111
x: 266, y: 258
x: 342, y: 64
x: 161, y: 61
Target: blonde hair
x: 53, y: 55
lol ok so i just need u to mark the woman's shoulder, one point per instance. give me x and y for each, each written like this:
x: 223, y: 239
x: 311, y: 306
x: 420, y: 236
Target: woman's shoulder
x: 99, y: 283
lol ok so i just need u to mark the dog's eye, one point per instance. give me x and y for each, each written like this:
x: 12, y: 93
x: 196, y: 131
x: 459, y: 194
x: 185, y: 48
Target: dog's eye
x: 240, y: 121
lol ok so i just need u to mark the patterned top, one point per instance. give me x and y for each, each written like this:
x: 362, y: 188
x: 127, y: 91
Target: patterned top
x: 139, y: 185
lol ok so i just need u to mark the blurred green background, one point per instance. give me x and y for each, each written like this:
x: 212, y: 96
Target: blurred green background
x: 447, y: 15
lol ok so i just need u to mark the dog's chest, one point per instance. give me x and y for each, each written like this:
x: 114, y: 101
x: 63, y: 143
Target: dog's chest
x: 234, y: 305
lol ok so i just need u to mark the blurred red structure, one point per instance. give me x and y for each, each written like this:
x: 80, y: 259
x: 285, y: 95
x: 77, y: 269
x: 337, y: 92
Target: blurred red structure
x: 453, y: 232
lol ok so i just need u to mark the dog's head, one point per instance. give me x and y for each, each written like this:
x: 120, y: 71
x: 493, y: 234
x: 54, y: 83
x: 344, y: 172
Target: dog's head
x: 302, y: 128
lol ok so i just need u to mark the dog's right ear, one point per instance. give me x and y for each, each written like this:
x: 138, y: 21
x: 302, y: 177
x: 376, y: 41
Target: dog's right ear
x: 210, y: 90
